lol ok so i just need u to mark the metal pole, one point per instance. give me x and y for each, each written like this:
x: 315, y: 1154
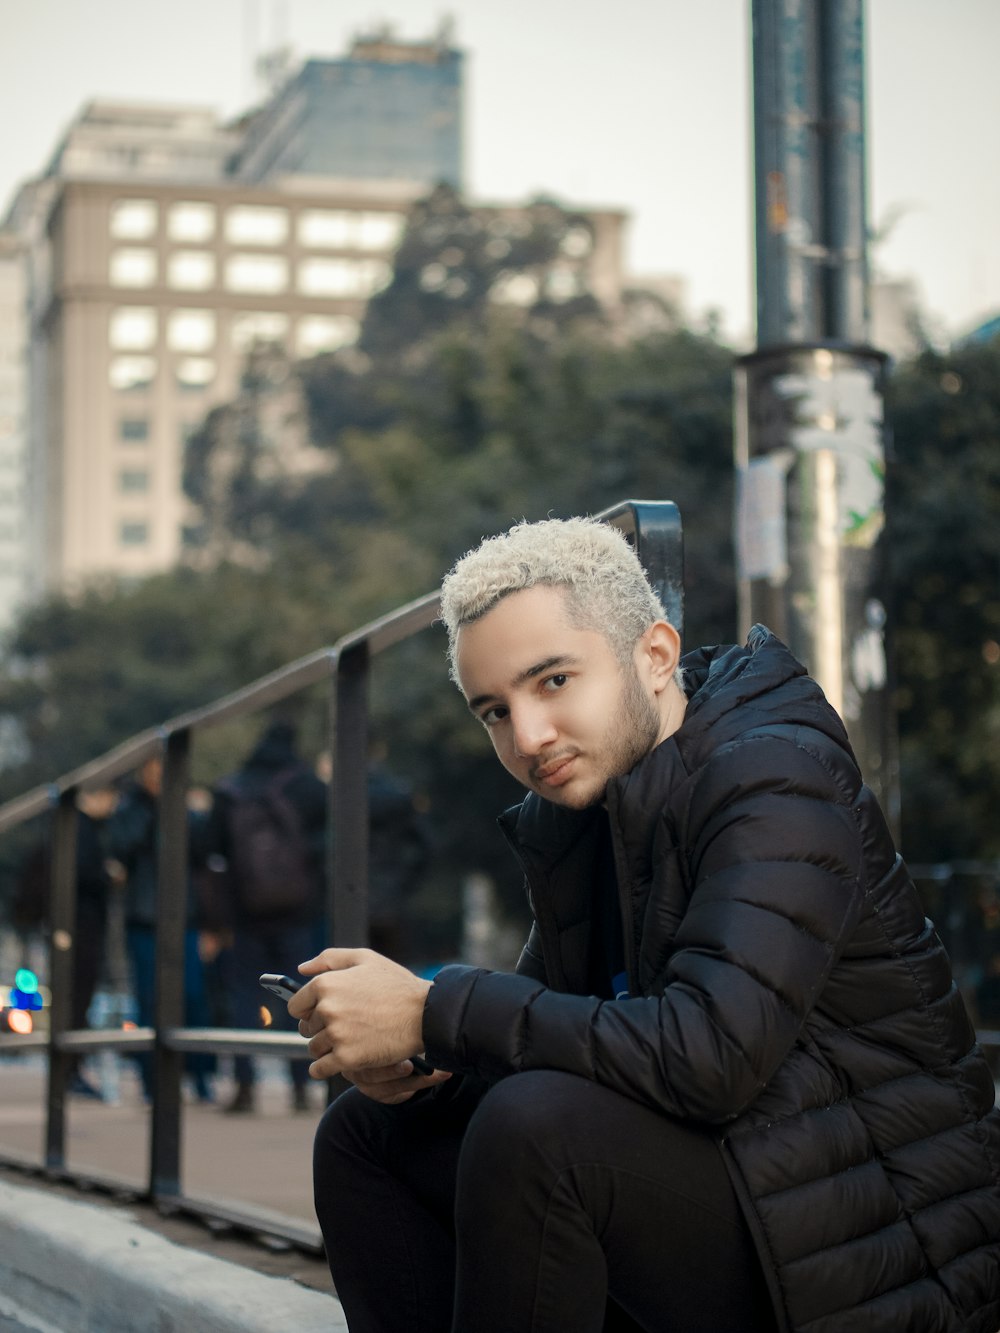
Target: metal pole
x: 62, y: 949
x: 809, y: 171
x: 655, y: 529
x: 347, y: 892
x: 845, y: 193
x: 810, y: 451
x: 171, y: 920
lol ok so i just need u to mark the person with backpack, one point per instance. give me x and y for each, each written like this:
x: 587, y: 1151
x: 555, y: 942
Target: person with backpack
x: 265, y: 837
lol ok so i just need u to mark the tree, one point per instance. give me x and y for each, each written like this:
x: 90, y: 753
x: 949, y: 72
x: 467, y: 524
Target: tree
x: 84, y: 673
x: 945, y: 563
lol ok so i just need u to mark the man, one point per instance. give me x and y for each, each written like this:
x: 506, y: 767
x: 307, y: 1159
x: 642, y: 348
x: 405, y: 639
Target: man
x: 733, y: 1086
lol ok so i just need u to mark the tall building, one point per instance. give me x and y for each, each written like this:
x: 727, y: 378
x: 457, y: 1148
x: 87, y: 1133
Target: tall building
x: 389, y: 111
x: 156, y: 294
x: 162, y: 245
x: 13, y: 423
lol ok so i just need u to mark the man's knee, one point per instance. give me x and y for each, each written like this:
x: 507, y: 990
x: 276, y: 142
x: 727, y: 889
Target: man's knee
x: 523, y: 1117
x: 344, y: 1128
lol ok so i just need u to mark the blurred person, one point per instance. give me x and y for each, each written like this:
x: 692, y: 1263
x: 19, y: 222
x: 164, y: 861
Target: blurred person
x: 133, y: 841
x: 93, y: 884
x: 399, y: 847
x: 398, y: 852
x: 265, y: 837
x: 731, y: 1086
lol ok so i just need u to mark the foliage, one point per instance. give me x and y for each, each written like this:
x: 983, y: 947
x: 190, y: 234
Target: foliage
x: 945, y: 553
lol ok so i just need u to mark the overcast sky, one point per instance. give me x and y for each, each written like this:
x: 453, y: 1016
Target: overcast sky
x: 642, y: 104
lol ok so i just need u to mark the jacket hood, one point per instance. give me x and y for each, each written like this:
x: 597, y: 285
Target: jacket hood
x: 721, y: 680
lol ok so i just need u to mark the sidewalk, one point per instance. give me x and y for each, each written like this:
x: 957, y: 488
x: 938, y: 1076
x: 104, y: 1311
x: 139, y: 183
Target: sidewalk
x: 75, y: 1263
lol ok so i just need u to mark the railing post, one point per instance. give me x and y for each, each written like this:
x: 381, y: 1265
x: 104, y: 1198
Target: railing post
x: 171, y: 920
x: 655, y: 530
x: 62, y: 953
x: 347, y: 890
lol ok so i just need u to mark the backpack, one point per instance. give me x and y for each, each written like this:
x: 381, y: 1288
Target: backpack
x: 270, y: 871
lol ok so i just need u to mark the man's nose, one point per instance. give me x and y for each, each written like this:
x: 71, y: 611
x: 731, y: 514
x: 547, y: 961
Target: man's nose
x: 533, y: 730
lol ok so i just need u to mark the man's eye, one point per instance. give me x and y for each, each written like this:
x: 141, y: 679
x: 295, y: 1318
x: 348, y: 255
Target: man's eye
x: 493, y: 715
x: 555, y: 682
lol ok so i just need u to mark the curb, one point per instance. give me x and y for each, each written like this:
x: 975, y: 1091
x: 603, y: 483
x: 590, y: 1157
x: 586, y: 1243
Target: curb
x: 83, y: 1269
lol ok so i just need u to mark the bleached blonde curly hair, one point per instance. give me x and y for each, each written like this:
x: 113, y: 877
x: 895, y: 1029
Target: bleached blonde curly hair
x: 606, y: 587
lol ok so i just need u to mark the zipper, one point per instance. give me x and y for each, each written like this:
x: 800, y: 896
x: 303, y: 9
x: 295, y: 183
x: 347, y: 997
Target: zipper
x: 539, y: 912
x: 624, y: 896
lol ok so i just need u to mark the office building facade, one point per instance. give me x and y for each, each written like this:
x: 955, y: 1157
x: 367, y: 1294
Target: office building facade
x: 389, y: 111
x: 14, y: 347
x: 164, y: 245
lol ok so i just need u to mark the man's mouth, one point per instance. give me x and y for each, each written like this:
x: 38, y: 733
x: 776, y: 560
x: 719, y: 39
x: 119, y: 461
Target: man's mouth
x: 556, y: 772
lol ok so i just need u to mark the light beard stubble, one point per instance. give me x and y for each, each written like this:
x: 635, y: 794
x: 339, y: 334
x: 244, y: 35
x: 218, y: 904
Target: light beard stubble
x: 629, y: 737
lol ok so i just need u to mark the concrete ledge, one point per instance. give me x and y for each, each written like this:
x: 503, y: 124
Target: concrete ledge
x: 77, y: 1268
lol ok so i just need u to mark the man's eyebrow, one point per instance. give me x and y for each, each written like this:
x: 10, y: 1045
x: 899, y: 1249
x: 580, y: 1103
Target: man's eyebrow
x: 529, y: 673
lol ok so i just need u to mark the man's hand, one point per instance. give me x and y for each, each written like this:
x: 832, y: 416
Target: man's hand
x: 360, y: 1011
x: 392, y: 1084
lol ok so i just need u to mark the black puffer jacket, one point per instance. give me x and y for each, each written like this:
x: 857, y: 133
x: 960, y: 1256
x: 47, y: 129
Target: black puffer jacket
x: 789, y: 992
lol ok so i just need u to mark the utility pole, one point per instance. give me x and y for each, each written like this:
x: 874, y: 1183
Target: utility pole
x: 810, y: 451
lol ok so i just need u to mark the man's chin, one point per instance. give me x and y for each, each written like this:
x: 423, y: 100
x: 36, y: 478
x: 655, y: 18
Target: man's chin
x: 572, y: 796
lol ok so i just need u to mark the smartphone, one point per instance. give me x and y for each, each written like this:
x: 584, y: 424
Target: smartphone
x: 285, y: 987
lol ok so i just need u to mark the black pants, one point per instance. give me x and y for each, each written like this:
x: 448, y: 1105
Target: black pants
x: 547, y: 1205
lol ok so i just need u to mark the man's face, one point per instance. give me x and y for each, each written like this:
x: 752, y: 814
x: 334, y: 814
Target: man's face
x: 563, y: 715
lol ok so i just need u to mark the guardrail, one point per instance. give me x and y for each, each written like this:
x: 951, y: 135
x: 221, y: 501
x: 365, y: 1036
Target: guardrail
x: 654, y: 527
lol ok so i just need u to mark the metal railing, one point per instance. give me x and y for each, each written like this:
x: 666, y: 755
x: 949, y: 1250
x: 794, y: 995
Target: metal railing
x: 654, y: 527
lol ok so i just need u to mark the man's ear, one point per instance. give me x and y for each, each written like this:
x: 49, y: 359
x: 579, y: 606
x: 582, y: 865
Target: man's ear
x: 659, y: 651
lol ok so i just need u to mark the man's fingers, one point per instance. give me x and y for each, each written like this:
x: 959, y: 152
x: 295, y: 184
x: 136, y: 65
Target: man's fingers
x: 325, y: 1068
x: 320, y: 1045
x: 390, y: 1090
x: 378, y: 1073
x: 332, y: 960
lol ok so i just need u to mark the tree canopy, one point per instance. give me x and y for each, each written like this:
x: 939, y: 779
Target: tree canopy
x: 945, y: 584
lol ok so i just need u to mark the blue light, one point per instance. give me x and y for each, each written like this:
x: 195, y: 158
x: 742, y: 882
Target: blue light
x: 20, y: 999
x: 26, y: 981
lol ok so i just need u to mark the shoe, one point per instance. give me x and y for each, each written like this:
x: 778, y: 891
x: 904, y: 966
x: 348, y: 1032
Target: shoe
x: 300, y: 1097
x: 244, y: 1101
x: 82, y: 1087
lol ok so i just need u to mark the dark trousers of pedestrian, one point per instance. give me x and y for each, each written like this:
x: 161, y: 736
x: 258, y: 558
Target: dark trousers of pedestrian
x: 265, y: 947
x: 141, y: 943
x: 88, y: 960
x: 547, y: 1204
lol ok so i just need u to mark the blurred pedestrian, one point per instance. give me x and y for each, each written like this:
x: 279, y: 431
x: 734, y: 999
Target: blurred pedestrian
x: 32, y: 911
x: 399, y: 846
x: 398, y: 851
x: 267, y: 832
x: 133, y: 842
